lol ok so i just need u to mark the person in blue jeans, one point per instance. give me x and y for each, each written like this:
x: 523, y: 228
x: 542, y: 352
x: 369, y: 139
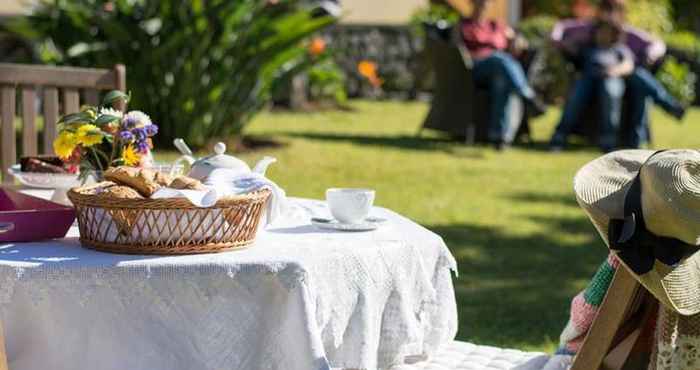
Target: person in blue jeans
x: 573, y: 37
x: 607, y: 61
x: 496, y: 70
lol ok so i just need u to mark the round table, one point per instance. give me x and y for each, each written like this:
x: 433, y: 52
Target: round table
x: 299, y: 298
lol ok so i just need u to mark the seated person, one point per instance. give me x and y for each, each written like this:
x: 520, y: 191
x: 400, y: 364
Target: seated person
x: 606, y: 61
x: 572, y: 37
x: 495, y: 69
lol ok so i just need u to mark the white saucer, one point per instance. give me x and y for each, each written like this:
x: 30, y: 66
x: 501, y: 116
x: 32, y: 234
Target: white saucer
x: 368, y: 224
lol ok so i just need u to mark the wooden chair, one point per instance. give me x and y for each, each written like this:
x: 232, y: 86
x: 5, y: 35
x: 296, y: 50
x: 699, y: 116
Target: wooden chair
x: 457, y: 106
x: 617, y: 338
x: 58, y: 91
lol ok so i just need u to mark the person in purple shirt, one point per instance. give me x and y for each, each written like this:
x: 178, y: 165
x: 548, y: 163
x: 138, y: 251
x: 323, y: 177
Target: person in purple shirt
x: 574, y: 38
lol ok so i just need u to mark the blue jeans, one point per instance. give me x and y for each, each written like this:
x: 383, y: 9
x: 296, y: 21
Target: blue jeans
x: 501, y: 75
x: 642, y: 86
x: 610, y: 91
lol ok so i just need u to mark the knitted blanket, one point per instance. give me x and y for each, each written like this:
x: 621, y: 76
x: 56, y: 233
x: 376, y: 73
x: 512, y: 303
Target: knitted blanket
x: 584, y: 307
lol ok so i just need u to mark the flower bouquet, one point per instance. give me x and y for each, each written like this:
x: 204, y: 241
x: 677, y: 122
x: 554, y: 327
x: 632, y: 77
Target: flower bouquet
x: 97, y: 138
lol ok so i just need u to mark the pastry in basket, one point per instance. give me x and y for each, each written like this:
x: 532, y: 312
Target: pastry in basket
x: 186, y: 183
x: 120, y: 191
x: 97, y: 188
x: 43, y: 164
x: 123, y: 219
x: 141, y: 179
x: 163, y: 179
x: 110, y: 189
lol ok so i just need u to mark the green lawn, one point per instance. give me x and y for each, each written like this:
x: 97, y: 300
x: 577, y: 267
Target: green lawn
x: 524, y: 247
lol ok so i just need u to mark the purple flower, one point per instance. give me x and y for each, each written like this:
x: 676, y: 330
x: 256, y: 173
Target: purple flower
x: 129, y: 122
x: 151, y: 130
x: 142, y: 147
x: 139, y: 133
x: 126, y: 136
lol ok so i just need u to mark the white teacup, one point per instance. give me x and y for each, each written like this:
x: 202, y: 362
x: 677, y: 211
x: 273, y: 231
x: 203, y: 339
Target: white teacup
x: 349, y: 205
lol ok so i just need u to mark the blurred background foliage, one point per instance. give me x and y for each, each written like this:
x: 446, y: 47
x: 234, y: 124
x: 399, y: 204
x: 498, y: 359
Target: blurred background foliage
x: 184, y: 85
x: 327, y: 83
x: 200, y: 90
x: 677, y: 73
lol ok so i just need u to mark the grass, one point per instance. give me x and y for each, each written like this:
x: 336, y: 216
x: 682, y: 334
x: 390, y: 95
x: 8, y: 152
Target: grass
x: 523, y: 246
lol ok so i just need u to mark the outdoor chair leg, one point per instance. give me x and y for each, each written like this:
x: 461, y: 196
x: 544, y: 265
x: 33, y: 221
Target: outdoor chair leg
x: 618, y: 305
x: 470, y: 133
x: 3, y: 356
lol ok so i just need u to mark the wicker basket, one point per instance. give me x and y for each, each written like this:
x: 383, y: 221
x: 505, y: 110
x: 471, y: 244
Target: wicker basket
x: 166, y: 226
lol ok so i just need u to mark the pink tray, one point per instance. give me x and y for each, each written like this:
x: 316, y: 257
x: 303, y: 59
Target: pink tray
x: 24, y: 218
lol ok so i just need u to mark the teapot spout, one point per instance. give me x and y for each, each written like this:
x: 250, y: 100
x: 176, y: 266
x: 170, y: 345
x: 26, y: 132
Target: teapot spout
x: 261, y: 166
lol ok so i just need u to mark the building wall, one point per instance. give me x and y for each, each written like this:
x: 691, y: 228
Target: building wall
x: 499, y: 9
x: 390, y: 12
x: 385, y: 12
x: 12, y: 7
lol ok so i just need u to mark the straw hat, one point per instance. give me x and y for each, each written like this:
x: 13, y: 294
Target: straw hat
x: 646, y: 206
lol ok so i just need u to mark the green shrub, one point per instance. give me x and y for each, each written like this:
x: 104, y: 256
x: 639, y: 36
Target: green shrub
x: 550, y: 73
x: 537, y: 29
x: 201, y: 69
x: 651, y: 15
x: 432, y: 14
x: 686, y: 14
x: 327, y: 82
x: 686, y: 42
x: 559, y: 8
x: 678, y: 79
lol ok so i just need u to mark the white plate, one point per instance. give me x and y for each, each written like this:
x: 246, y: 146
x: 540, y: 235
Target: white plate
x: 369, y: 224
x: 44, y: 180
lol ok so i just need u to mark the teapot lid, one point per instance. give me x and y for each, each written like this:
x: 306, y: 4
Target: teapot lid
x: 219, y: 159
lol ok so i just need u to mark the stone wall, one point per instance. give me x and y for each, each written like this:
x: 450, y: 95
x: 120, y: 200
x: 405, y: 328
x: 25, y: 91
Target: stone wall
x: 395, y: 49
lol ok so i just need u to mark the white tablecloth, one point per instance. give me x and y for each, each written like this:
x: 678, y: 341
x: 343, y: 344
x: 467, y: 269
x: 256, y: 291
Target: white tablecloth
x: 298, y: 299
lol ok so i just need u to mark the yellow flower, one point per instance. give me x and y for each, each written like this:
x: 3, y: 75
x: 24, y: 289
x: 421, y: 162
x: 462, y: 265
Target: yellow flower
x: 64, y: 144
x: 130, y: 156
x: 89, y: 135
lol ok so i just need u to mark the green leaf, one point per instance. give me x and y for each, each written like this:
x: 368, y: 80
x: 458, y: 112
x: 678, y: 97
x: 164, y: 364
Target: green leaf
x: 80, y: 117
x: 114, y: 96
x: 105, y: 119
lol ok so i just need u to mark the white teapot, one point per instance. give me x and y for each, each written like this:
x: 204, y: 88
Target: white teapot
x: 200, y: 169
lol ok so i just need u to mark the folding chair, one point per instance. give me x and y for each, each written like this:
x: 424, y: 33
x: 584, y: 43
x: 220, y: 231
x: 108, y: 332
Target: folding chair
x: 616, y: 339
x: 457, y: 106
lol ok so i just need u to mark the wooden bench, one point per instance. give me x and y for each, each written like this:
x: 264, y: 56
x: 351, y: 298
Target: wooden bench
x: 58, y: 90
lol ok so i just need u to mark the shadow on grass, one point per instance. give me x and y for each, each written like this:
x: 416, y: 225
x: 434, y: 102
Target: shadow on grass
x: 515, y: 290
x: 410, y: 142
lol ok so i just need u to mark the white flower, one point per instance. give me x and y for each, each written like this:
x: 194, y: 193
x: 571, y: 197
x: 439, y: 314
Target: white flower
x: 136, y: 118
x: 111, y: 112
